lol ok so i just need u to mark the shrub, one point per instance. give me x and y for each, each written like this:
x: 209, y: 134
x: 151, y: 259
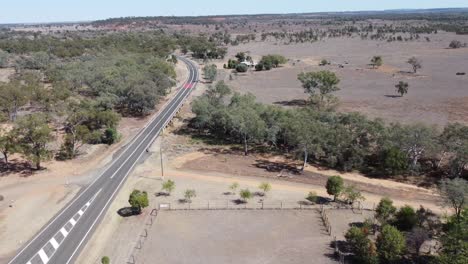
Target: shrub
x: 110, y: 136
x: 385, y: 210
x: 189, y: 194
x: 245, y: 194
x: 362, y: 247
x: 168, y: 186
x: 265, y: 187
x: 105, y: 260
x: 455, y: 44
x: 312, y: 197
x: 259, y: 67
x: 241, y: 67
x: 406, y: 218
x: 391, y: 244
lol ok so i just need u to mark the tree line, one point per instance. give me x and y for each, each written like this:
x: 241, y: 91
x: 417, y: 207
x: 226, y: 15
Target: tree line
x: 318, y: 134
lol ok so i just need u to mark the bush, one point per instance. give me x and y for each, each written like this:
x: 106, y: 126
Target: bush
x: 385, y: 210
x: 241, y: 67
x: 361, y: 246
x: 168, y: 186
x: 455, y: 44
x: 394, y: 161
x: 259, y: 67
x: 110, y: 136
x: 406, y: 218
x: 391, y: 244
x: 312, y: 197
x: 245, y: 194
x: 105, y: 260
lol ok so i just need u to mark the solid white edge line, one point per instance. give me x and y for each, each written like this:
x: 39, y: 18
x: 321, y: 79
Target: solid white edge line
x: 108, y: 166
x: 108, y: 201
x: 43, y: 256
x: 54, y: 243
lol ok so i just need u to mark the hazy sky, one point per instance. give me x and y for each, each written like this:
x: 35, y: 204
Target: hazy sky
x: 14, y: 11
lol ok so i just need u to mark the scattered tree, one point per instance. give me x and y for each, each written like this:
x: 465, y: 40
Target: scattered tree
x: 312, y: 197
x: 402, y: 88
x: 105, y: 260
x: 241, y: 67
x: 265, y: 187
x: 189, y: 194
x: 376, y: 61
x: 415, y: 63
x: 8, y: 143
x: 352, y: 195
x: 138, y: 200
x: 168, y: 186
x: 245, y: 195
x: 319, y: 85
x: 335, y: 186
x: 455, y: 44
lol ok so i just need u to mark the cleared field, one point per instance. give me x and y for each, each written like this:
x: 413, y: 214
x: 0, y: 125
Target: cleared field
x: 246, y: 236
x: 436, y: 94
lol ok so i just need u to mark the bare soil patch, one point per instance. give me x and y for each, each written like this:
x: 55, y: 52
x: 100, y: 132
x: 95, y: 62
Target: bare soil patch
x: 237, y: 237
x: 435, y: 95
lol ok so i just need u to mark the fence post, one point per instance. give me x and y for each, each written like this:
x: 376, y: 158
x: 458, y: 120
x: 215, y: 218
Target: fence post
x: 208, y: 205
x: 281, y: 204
x: 262, y: 205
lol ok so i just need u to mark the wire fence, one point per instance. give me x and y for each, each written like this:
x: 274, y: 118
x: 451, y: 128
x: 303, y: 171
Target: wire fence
x: 132, y: 258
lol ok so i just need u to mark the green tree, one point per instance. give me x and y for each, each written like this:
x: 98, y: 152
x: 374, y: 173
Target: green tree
x: 13, y: 96
x: 335, y: 186
x: 33, y: 135
x: 138, y: 200
x: 168, y: 186
x: 105, y: 260
x: 455, y: 240
x: 454, y: 141
x: 362, y: 247
x: 406, y: 218
x: 415, y: 63
x: 391, y: 244
x: 455, y: 194
x: 376, y: 61
x: 312, y: 197
x: 320, y: 84
x: 385, y: 210
x: 210, y: 72
x: 245, y: 120
x: 8, y: 143
x: 352, y: 195
x: 402, y: 88
x: 265, y: 187
x: 110, y: 136
x: 394, y: 161
x: 273, y: 60
x: 189, y: 194
x: 245, y: 194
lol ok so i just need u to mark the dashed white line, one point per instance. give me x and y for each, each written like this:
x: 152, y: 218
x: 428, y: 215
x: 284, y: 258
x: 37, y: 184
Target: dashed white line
x: 72, y: 221
x: 80, y: 212
x: 43, y: 256
x: 54, y: 243
x: 64, y: 232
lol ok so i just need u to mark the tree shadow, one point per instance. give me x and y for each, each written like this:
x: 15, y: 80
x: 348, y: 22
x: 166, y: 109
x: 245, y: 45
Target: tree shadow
x: 294, y: 102
x: 239, y: 201
x: 276, y: 166
x: 392, y: 96
x: 22, y: 167
x: 228, y: 193
x: 127, y: 212
x: 162, y: 194
x: 259, y: 194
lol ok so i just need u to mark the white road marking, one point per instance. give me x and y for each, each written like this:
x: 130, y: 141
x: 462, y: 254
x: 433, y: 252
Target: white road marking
x: 54, y: 243
x: 72, y: 221
x: 129, y: 144
x: 43, y: 256
x: 111, y: 197
x: 64, y: 232
x: 80, y: 212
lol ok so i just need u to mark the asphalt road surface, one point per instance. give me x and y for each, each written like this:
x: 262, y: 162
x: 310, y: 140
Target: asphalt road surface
x: 60, y: 241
